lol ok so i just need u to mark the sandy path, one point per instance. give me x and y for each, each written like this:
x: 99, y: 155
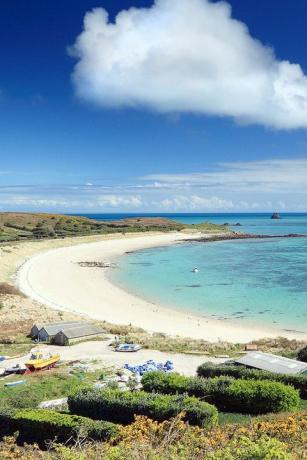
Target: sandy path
x: 101, y: 351
x: 55, y: 278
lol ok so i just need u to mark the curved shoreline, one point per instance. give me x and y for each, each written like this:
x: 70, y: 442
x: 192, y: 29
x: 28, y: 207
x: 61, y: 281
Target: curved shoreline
x: 55, y: 278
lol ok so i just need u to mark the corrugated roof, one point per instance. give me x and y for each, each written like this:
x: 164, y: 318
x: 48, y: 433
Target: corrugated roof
x: 272, y: 363
x: 54, y: 328
x: 81, y: 331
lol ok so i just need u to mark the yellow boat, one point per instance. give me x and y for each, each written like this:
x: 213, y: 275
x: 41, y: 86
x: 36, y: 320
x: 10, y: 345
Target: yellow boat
x: 41, y: 359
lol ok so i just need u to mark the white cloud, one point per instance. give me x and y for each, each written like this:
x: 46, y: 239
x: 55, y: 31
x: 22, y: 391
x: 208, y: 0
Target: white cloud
x: 187, y: 56
x: 118, y: 200
x: 65, y: 197
x: 269, y: 185
x: 259, y: 176
x: 195, y: 202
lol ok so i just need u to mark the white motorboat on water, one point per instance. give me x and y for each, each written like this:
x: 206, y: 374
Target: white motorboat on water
x: 195, y: 270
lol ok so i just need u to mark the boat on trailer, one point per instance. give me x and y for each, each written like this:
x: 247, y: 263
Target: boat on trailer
x: 41, y: 359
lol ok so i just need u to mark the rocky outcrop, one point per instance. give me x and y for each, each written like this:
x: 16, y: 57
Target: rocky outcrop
x: 243, y: 236
x: 275, y: 215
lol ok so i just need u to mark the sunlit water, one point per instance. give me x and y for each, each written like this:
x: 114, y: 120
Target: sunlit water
x: 261, y: 282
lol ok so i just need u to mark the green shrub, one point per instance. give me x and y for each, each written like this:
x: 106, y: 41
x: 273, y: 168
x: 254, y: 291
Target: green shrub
x: 247, y: 449
x: 120, y: 407
x: 228, y: 394
x: 302, y: 354
x: 39, y: 425
x: 256, y: 397
x: 160, y: 382
x: 209, y: 370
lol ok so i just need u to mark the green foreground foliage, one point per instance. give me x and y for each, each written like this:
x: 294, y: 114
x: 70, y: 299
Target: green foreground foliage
x: 41, y: 425
x: 209, y: 370
x: 120, y: 407
x: 228, y: 394
x: 281, y: 438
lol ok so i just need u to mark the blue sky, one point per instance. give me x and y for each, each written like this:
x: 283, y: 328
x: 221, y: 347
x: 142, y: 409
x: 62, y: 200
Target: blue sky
x: 178, y: 107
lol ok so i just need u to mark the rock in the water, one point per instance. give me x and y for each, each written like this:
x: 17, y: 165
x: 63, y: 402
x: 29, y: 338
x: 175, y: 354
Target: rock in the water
x: 275, y: 215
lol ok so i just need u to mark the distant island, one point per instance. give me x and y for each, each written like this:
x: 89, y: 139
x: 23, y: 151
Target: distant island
x: 276, y: 215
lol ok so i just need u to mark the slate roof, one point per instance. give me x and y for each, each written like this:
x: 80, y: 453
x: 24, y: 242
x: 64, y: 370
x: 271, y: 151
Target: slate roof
x: 272, y: 363
x: 81, y: 331
x: 37, y: 325
x: 53, y: 328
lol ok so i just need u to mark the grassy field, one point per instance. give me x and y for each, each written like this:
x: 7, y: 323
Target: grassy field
x: 47, y: 385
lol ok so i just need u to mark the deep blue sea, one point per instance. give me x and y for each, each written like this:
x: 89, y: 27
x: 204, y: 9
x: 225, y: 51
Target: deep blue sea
x: 260, y: 282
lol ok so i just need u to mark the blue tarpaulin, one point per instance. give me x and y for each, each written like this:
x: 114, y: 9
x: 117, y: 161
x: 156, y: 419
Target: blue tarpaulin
x: 149, y: 366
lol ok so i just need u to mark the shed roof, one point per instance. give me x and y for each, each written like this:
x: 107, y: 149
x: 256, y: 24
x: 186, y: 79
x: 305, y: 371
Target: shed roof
x: 38, y: 326
x: 272, y: 363
x: 54, y: 328
x: 81, y: 331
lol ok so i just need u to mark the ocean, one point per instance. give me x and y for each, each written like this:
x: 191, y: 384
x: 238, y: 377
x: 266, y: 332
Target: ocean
x: 262, y: 282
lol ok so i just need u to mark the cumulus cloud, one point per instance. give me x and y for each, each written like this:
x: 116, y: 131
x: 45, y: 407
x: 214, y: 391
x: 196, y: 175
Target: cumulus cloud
x: 195, y: 202
x: 187, y: 56
x: 118, y: 200
x: 258, y: 176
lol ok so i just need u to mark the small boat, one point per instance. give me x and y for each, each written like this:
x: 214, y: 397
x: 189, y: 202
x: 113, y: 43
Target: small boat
x: 195, y: 270
x: 128, y: 347
x: 14, y: 384
x: 41, y: 359
x: 17, y: 369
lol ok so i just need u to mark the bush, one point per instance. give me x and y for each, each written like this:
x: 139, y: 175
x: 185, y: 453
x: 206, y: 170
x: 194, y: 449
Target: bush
x: 228, y: 394
x: 160, y: 382
x: 302, y: 355
x: 256, y: 397
x: 39, y: 425
x: 120, y: 407
x: 209, y: 370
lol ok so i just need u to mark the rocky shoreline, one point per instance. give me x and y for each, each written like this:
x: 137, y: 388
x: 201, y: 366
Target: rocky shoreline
x: 243, y: 236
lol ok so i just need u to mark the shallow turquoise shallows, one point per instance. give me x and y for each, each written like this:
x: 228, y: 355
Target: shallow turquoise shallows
x: 260, y: 282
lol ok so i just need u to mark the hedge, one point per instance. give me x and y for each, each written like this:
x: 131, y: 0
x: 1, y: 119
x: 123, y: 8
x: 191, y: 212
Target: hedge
x: 228, y: 394
x: 120, y: 407
x: 40, y: 425
x: 209, y: 370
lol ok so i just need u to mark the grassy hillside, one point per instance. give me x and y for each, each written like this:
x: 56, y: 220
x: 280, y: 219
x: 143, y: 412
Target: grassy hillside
x: 28, y: 226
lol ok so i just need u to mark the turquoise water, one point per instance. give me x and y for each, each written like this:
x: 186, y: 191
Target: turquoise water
x: 260, y: 282
x: 258, y: 223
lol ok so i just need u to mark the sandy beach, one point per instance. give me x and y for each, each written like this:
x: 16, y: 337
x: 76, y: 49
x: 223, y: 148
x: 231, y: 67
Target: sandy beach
x: 55, y: 278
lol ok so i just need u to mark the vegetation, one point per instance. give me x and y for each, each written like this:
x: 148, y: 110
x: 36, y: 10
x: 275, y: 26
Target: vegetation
x: 240, y: 372
x: 228, y: 394
x: 168, y: 437
x: 120, y: 407
x: 163, y: 342
x: 44, y: 386
x: 40, y: 425
x: 302, y: 354
x: 281, y: 438
x: 25, y: 226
